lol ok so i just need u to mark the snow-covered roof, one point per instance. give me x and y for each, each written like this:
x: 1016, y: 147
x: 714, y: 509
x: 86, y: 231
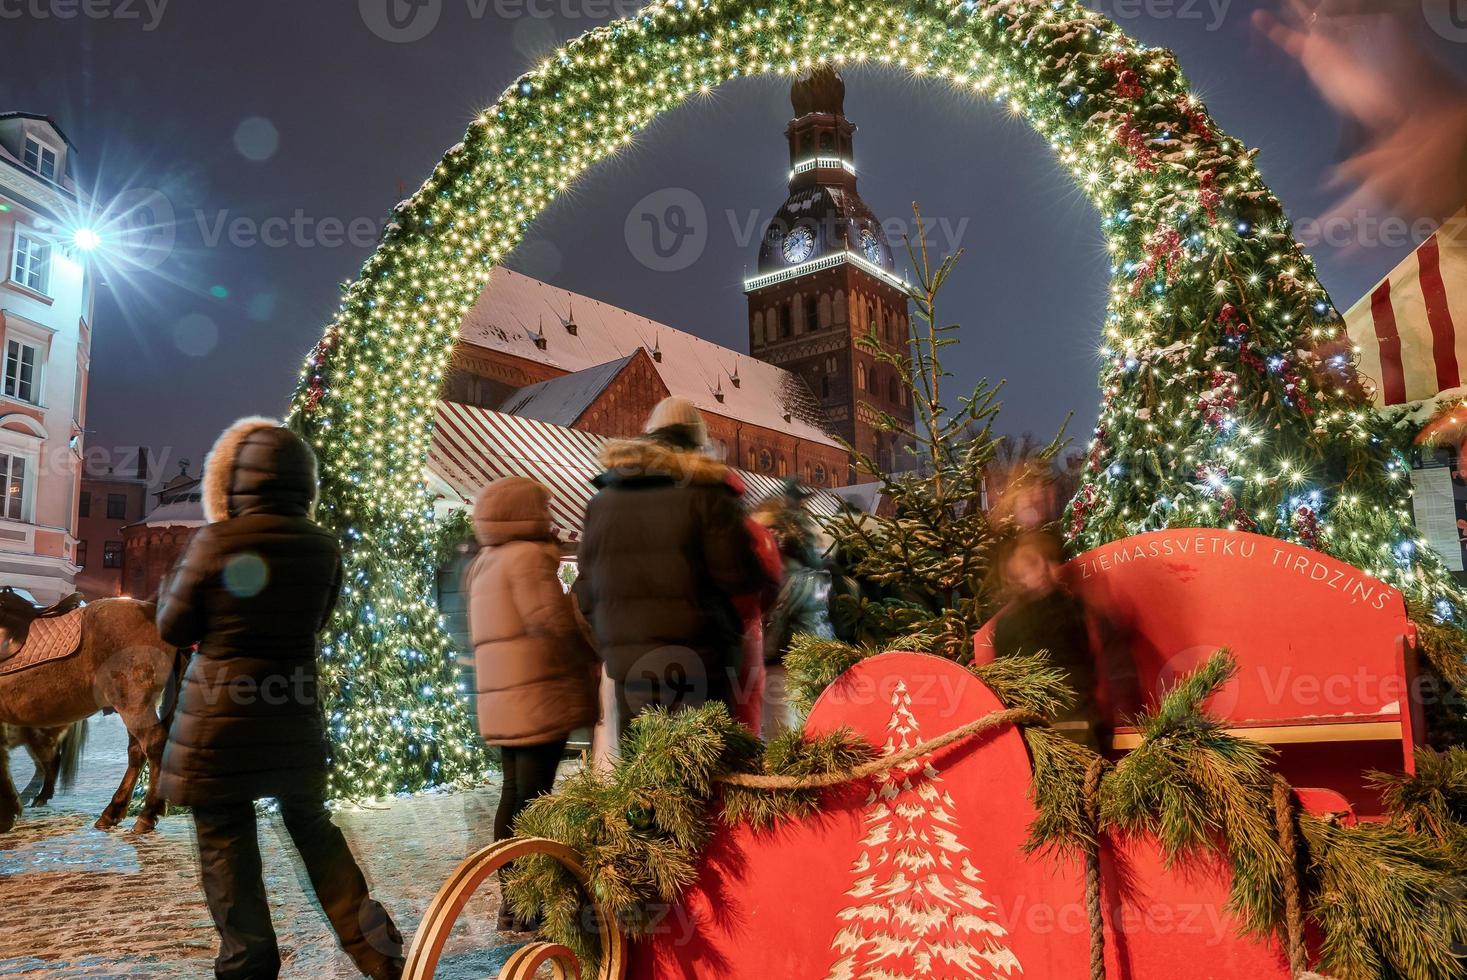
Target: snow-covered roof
x: 474, y: 446
x: 564, y: 399
x: 864, y: 497
x: 531, y: 319
x: 180, y: 513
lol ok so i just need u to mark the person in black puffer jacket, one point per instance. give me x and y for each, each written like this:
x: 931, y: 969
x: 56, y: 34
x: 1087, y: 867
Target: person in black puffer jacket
x: 663, y: 554
x: 254, y: 590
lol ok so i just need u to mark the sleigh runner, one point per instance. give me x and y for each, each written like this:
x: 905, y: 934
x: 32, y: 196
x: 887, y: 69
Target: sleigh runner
x: 967, y: 847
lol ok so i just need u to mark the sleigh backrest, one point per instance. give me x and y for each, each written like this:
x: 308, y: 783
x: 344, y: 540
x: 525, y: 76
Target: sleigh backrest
x: 1325, y: 651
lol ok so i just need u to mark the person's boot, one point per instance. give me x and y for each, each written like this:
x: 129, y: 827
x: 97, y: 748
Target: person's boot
x: 509, y: 922
x: 389, y: 969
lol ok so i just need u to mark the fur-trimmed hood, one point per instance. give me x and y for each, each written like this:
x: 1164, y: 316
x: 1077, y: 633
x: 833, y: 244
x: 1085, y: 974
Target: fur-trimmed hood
x: 627, y: 460
x: 258, y: 466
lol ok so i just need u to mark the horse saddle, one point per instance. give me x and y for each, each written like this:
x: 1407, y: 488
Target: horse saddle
x: 37, y: 634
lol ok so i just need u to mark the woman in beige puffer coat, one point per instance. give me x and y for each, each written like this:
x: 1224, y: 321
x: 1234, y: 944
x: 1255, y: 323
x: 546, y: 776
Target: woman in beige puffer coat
x: 536, y: 674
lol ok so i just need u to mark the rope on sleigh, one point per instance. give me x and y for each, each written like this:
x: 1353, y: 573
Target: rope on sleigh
x: 885, y: 763
x: 1286, y: 825
x: 1093, y: 908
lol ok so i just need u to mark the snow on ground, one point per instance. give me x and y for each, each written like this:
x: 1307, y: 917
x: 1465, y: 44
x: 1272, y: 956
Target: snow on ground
x: 76, y: 902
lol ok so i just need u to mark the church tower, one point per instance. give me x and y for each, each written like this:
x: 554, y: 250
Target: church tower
x: 826, y: 277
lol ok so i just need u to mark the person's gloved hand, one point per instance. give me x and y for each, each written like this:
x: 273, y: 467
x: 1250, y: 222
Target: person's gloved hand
x: 1369, y: 63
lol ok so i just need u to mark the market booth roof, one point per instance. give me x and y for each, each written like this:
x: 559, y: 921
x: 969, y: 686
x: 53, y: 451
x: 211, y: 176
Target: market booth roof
x: 473, y: 446
x: 1411, y: 329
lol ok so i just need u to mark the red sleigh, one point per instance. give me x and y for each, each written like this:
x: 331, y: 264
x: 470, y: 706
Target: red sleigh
x: 1326, y: 658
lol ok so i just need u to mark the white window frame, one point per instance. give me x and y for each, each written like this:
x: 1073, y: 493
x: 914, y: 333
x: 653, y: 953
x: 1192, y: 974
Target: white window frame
x: 30, y: 472
x: 42, y: 148
x: 38, y: 367
x: 34, y: 240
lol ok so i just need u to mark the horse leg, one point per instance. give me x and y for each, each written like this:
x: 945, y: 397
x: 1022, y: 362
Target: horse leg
x: 152, y: 739
x: 34, y: 788
x: 45, y: 749
x: 117, y: 809
x: 9, y: 801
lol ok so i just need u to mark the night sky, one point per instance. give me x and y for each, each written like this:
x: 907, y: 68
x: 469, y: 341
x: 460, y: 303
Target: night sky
x: 297, y: 110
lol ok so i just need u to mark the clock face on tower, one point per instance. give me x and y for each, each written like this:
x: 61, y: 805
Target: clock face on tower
x: 870, y: 247
x: 798, y: 245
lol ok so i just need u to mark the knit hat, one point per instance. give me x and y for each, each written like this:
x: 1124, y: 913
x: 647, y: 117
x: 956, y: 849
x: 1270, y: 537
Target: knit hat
x: 678, y: 414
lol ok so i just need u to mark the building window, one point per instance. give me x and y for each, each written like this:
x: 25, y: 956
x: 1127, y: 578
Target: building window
x: 32, y: 266
x: 81, y: 554
x: 84, y: 507
x: 14, y: 473
x: 812, y: 314
x: 40, y: 158
x: 891, y: 389
x: 766, y: 461
x: 22, y: 372
x: 116, y: 507
x: 783, y: 467
x: 825, y: 386
x: 112, y: 554
x: 860, y: 376
x: 786, y: 319
x: 819, y: 474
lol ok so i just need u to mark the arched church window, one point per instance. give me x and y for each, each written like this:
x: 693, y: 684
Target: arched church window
x: 766, y: 461
x: 827, y: 142
x: 825, y: 386
x: 782, y: 467
x: 891, y: 389
x: 861, y: 376
x: 812, y: 313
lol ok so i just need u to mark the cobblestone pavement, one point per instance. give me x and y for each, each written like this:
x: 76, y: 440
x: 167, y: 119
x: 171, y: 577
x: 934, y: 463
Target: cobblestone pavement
x: 77, y: 902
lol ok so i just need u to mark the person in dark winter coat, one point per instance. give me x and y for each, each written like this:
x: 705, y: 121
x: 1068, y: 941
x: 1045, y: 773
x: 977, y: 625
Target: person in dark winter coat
x: 803, y: 603
x: 535, y: 674
x: 663, y: 555
x: 1045, y: 617
x: 254, y: 590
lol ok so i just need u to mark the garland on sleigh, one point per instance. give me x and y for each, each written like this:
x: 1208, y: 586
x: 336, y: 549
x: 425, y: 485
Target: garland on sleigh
x: 1387, y: 899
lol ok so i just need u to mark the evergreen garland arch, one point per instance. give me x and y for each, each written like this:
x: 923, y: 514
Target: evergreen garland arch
x: 1229, y: 396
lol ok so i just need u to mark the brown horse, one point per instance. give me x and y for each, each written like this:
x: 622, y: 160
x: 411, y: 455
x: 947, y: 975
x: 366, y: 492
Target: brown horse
x: 123, y: 665
x: 56, y: 753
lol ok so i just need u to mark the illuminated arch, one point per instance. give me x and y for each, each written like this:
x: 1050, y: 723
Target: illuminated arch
x: 1221, y: 406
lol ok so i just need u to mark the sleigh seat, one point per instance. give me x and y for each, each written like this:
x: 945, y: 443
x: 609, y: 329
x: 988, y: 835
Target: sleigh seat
x: 1327, y: 658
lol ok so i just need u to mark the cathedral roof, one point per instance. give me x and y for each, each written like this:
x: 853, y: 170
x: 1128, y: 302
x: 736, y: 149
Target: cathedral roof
x: 533, y: 320
x: 836, y: 219
x: 818, y: 90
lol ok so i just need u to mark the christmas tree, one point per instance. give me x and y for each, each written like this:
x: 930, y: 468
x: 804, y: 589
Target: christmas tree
x: 926, y: 563
x: 918, y: 907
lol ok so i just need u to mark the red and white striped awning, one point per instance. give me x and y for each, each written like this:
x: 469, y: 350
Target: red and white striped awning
x: 1411, y: 330
x: 474, y: 446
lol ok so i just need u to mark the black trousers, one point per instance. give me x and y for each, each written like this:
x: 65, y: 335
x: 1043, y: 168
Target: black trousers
x: 678, y: 685
x: 529, y: 771
x: 229, y: 859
